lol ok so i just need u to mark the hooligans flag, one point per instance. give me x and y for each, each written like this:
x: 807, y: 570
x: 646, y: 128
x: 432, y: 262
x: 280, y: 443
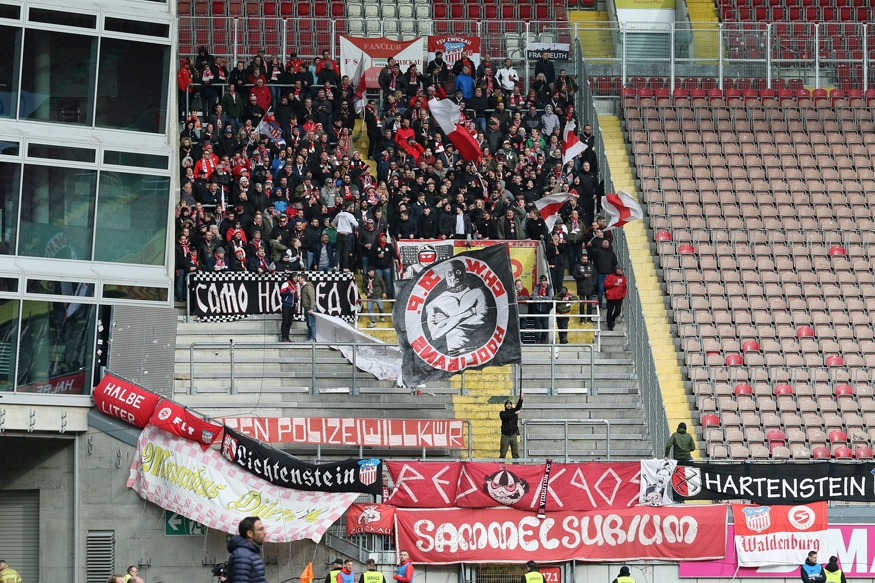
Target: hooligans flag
x: 457, y: 314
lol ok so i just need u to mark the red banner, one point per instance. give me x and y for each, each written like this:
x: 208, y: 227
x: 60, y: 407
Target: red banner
x: 503, y: 535
x: 127, y: 401
x: 778, y: 535
x: 584, y: 486
x: 375, y: 518
x: 179, y: 421
x: 416, y: 433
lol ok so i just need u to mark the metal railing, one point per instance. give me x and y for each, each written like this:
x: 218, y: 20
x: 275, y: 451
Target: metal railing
x: 565, y: 423
x: 636, y: 326
x: 816, y: 53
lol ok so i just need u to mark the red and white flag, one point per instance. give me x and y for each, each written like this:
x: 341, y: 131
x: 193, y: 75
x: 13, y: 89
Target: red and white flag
x: 449, y: 117
x: 180, y: 421
x: 571, y: 144
x: 358, y: 83
x: 778, y: 535
x: 621, y: 208
x: 270, y: 128
x: 549, y: 207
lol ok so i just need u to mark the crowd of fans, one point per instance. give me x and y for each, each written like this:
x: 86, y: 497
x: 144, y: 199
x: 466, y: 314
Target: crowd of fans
x: 312, y: 202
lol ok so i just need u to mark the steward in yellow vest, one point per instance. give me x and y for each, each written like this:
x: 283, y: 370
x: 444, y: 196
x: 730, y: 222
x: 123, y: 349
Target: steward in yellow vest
x: 624, y: 577
x: 336, y: 567
x: 372, y: 575
x: 532, y: 574
x: 832, y: 571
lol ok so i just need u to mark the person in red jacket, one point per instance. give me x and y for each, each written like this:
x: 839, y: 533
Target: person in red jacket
x: 405, y: 569
x: 261, y: 93
x: 184, y: 79
x: 615, y: 290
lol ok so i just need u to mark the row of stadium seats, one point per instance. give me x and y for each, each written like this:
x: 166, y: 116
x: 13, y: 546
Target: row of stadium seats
x: 761, y: 225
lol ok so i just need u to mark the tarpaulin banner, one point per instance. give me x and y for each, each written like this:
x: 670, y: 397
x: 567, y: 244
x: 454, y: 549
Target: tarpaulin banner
x: 376, y: 53
x: 853, y: 544
x: 791, y: 483
x: 555, y: 51
x: 656, y: 482
x: 417, y: 255
x: 225, y: 296
x: 371, y: 354
x: 778, y: 535
x: 175, y: 474
x: 504, y: 535
x: 119, y: 398
x: 458, y: 314
x: 178, y: 420
x: 583, y: 486
x: 452, y: 47
x: 373, y: 518
x: 285, y: 470
x: 351, y: 431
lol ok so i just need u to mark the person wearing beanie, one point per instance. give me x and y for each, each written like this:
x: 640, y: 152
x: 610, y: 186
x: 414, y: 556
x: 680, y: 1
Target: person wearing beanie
x: 833, y: 572
x: 532, y: 575
x: 336, y: 567
x: 624, y: 577
x: 510, y: 428
x: 682, y: 442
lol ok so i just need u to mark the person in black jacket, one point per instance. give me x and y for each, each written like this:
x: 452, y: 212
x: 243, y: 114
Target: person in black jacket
x: 605, y: 261
x: 428, y: 227
x: 586, y: 277
x: 245, y: 564
x: 510, y: 428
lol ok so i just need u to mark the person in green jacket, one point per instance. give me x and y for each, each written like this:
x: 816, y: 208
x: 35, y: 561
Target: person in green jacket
x: 682, y: 442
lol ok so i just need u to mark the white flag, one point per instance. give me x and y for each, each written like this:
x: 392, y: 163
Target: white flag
x: 571, y: 144
x: 549, y: 207
x: 621, y: 208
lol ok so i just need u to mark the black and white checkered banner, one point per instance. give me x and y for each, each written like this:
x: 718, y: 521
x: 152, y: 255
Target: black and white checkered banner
x: 228, y: 296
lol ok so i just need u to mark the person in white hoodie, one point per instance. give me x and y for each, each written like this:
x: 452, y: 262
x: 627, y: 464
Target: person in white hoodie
x: 507, y: 77
x: 549, y: 121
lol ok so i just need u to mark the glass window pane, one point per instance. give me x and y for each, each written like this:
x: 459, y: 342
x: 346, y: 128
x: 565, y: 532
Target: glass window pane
x: 136, y: 27
x: 135, y: 159
x: 10, y: 179
x: 57, y: 347
x: 132, y: 218
x: 135, y: 292
x: 64, y: 18
x: 8, y: 342
x: 61, y: 153
x: 60, y: 288
x: 57, y: 212
x: 10, y: 48
x: 132, y: 86
x: 58, y: 83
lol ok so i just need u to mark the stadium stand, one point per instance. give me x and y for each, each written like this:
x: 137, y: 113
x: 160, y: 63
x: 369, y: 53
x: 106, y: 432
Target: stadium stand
x: 763, y: 237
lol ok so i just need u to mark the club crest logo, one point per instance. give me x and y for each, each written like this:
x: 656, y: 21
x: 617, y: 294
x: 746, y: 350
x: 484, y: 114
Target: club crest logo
x: 370, y: 513
x: 229, y: 447
x: 505, y: 487
x: 758, y: 518
x: 801, y: 517
x: 368, y: 471
x: 164, y: 414
x: 686, y: 481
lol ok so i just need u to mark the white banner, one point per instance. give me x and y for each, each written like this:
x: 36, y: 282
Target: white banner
x: 376, y: 53
x: 778, y: 535
x: 371, y: 355
x: 656, y: 482
x: 177, y: 475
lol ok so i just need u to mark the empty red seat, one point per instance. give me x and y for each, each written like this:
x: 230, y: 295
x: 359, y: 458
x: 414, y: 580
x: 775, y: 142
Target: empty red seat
x: 844, y: 390
x: 838, y: 436
x: 686, y: 249
x: 734, y: 360
x: 663, y: 236
x: 805, y: 332
x: 680, y: 93
x: 836, y: 250
x: 844, y: 453
x: 776, y: 438
x: 870, y: 97
x: 525, y: 11
x: 440, y: 11
x: 715, y: 94
x: 750, y: 346
x: 457, y: 11
x: 743, y: 389
x: 863, y: 453
x: 710, y: 420
x: 834, y: 360
x: 821, y: 452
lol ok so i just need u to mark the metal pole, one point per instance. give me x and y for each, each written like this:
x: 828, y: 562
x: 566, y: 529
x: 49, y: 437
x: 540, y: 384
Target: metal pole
x: 332, y: 27
x: 470, y: 447
x: 720, y: 54
x: 623, y: 66
x: 817, y: 55
x: 865, y: 58
x: 313, y: 390
x: 552, y: 369
x: 673, y: 38
x: 565, y: 422
x: 236, y: 40
x: 233, y: 388
x: 608, y: 438
x: 463, y: 391
x: 191, y: 369
x: 768, y: 55
x: 526, y: 53
x: 285, y: 44
x: 354, y: 367
x: 525, y: 441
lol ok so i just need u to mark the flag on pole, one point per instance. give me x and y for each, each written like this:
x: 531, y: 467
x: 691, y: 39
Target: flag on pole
x: 358, y: 82
x: 449, y: 117
x: 307, y: 575
x: 549, y: 207
x: 571, y: 144
x: 270, y: 128
x: 621, y: 208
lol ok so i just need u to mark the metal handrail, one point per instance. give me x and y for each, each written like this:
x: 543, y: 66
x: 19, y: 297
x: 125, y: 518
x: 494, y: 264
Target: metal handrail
x: 565, y: 423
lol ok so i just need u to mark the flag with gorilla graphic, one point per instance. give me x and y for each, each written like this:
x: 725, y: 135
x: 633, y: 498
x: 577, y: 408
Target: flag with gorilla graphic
x: 458, y: 314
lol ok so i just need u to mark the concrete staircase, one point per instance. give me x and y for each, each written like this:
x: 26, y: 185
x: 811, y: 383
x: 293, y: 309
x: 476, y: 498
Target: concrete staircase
x: 594, y: 32
x: 706, y: 31
x: 275, y: 380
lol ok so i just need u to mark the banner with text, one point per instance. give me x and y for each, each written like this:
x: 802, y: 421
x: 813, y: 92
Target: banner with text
x: 452, y: 47
x: 123, y: 399
x: 853, y: 544
x: 778, y: 535
x: 285, y: 470
x: 177, y: 475
x: 583, y: 486
x: 792, y: 483
x: 217, y: 297
x: 503, y: 535
x: 376, y: 53
x: 350, y: 431
x: 458, y: 314
x: 555, y: 51
x: 373, y: 518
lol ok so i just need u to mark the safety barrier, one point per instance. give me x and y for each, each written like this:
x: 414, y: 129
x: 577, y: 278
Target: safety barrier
x: 565, y: 423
